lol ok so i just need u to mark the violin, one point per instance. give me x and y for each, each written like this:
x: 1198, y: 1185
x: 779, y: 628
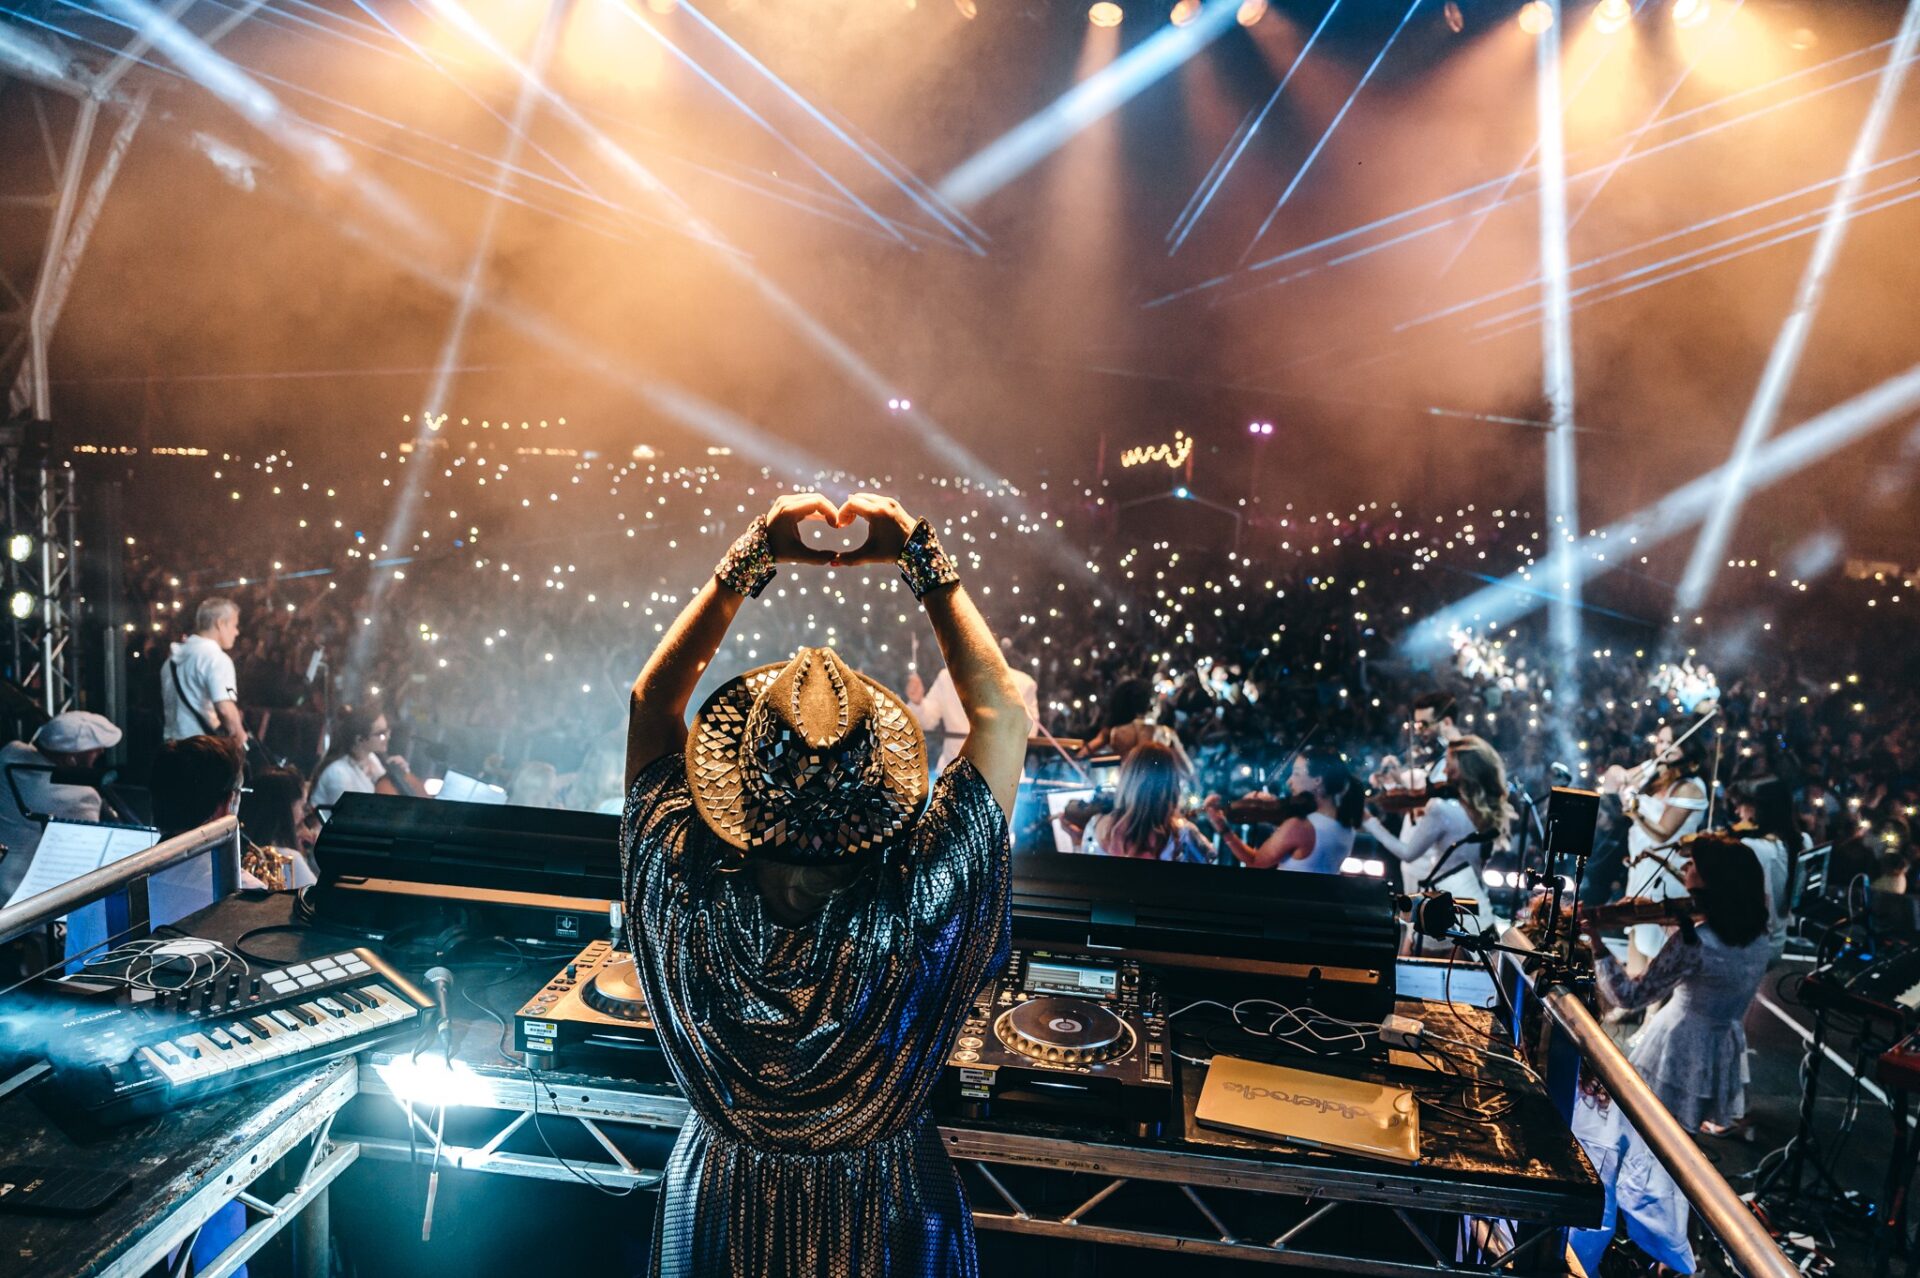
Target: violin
x: 1267, y: 809
x: 1412, y: 800
x: 1646, y: 909
x: 399, y: 781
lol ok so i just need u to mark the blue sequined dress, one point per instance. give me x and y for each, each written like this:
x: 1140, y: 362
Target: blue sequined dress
x: 808, y: 1054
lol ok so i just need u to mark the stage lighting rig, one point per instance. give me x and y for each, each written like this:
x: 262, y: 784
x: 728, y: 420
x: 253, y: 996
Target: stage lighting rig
x: 1105, y: 14
x: 1251, y: 11
x: 1691, y: 13
x: 1184, y: 12
x: 20, y: 547
x: 1612, y: 16
x: 21, y: 605
x: 1536, y: 17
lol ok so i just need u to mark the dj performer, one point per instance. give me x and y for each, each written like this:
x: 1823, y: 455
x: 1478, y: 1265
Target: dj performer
x: 811, y: 924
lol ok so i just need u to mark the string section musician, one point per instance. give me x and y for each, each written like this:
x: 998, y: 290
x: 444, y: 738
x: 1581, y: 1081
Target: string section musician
x: 1432, y: 728
x: 1453, y: 831
x: 1317, y: 836
x: 1662, y: 810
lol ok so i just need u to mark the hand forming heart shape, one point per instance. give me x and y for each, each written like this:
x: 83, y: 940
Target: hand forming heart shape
x: 888, y: 526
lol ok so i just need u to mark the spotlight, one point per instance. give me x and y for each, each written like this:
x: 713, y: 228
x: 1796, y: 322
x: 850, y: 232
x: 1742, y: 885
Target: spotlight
x: 1691, y: 13
x: 1105, y: 14
x: 1184, y: 12
x: 1802, y: 39
x: 1612, y: 16
x: 19, y: 547
x: 1536, y: 17
x: 967, y: 8
x: 1251, y: 11
x: 1455, y: 20
x: 1183, y: 493
x: 21, y: 605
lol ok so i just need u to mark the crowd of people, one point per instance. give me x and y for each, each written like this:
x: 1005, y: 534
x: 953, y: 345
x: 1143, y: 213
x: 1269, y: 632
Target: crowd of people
x: 506, y: 655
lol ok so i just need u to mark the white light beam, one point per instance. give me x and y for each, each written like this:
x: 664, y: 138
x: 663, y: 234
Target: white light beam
x: 1784, y: 360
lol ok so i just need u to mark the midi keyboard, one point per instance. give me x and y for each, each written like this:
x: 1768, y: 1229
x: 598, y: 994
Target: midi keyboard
x: 125, y: 1060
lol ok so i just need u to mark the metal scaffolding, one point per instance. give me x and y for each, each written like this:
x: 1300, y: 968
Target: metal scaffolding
x: 42, y: 595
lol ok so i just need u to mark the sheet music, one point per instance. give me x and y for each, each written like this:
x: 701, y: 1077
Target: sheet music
x: 70, y: 849
x: 459, y: 787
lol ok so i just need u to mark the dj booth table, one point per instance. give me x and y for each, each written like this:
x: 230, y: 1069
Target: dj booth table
x: 1190, y: 1190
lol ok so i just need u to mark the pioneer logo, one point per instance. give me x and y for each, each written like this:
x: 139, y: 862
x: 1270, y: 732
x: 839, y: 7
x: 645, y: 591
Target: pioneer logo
x: 1065, y: 1025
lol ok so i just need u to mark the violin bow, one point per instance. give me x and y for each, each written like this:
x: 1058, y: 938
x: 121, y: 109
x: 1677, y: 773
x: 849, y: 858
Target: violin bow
x: 1267, y: 779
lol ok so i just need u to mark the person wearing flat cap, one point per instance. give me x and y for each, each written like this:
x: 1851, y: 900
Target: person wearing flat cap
x: 75, y: 739
x: 811, y: 920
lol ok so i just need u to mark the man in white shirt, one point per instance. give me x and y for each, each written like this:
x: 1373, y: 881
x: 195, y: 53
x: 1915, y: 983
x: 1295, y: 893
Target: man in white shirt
x: 199, y: 691
x: 944, y: 720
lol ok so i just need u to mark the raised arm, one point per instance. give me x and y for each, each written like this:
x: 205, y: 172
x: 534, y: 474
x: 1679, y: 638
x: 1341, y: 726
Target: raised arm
x: 997, y: 721
x: 657, y: 705
x: 1422, y: 837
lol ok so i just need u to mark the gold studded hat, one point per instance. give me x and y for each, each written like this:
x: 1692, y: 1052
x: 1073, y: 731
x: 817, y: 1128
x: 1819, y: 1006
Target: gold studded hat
x: 808, y: 762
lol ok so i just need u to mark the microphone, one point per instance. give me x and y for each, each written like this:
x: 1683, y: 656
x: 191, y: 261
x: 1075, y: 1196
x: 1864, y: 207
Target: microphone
x: 442, y: 981
x: 1432, y: 913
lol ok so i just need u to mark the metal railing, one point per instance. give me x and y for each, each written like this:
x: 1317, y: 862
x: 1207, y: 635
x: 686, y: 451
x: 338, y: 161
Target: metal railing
x: 1747, y: 1243
x: 220, y: 837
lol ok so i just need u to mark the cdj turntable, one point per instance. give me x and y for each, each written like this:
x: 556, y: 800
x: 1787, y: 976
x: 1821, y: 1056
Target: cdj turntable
x: 591, y: 1017
x: 1066, y: 1034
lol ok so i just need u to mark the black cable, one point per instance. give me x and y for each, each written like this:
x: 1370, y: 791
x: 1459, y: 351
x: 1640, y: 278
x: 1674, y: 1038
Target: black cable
x: 506, y: 1027
x: 540, y: 1131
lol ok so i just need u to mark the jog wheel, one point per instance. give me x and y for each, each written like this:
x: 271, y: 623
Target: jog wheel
x: 615, y: 991
x: 1064, y: 1031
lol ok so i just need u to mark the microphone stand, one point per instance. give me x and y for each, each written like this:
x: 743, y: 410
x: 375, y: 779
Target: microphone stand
x: 1433, y: 875
x: 1530, y: 828
x: 1426, y: 884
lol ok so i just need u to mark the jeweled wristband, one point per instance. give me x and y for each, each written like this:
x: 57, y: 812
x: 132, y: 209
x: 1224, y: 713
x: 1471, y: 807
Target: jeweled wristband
x: 747, y: 566
x: 923, y: 564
